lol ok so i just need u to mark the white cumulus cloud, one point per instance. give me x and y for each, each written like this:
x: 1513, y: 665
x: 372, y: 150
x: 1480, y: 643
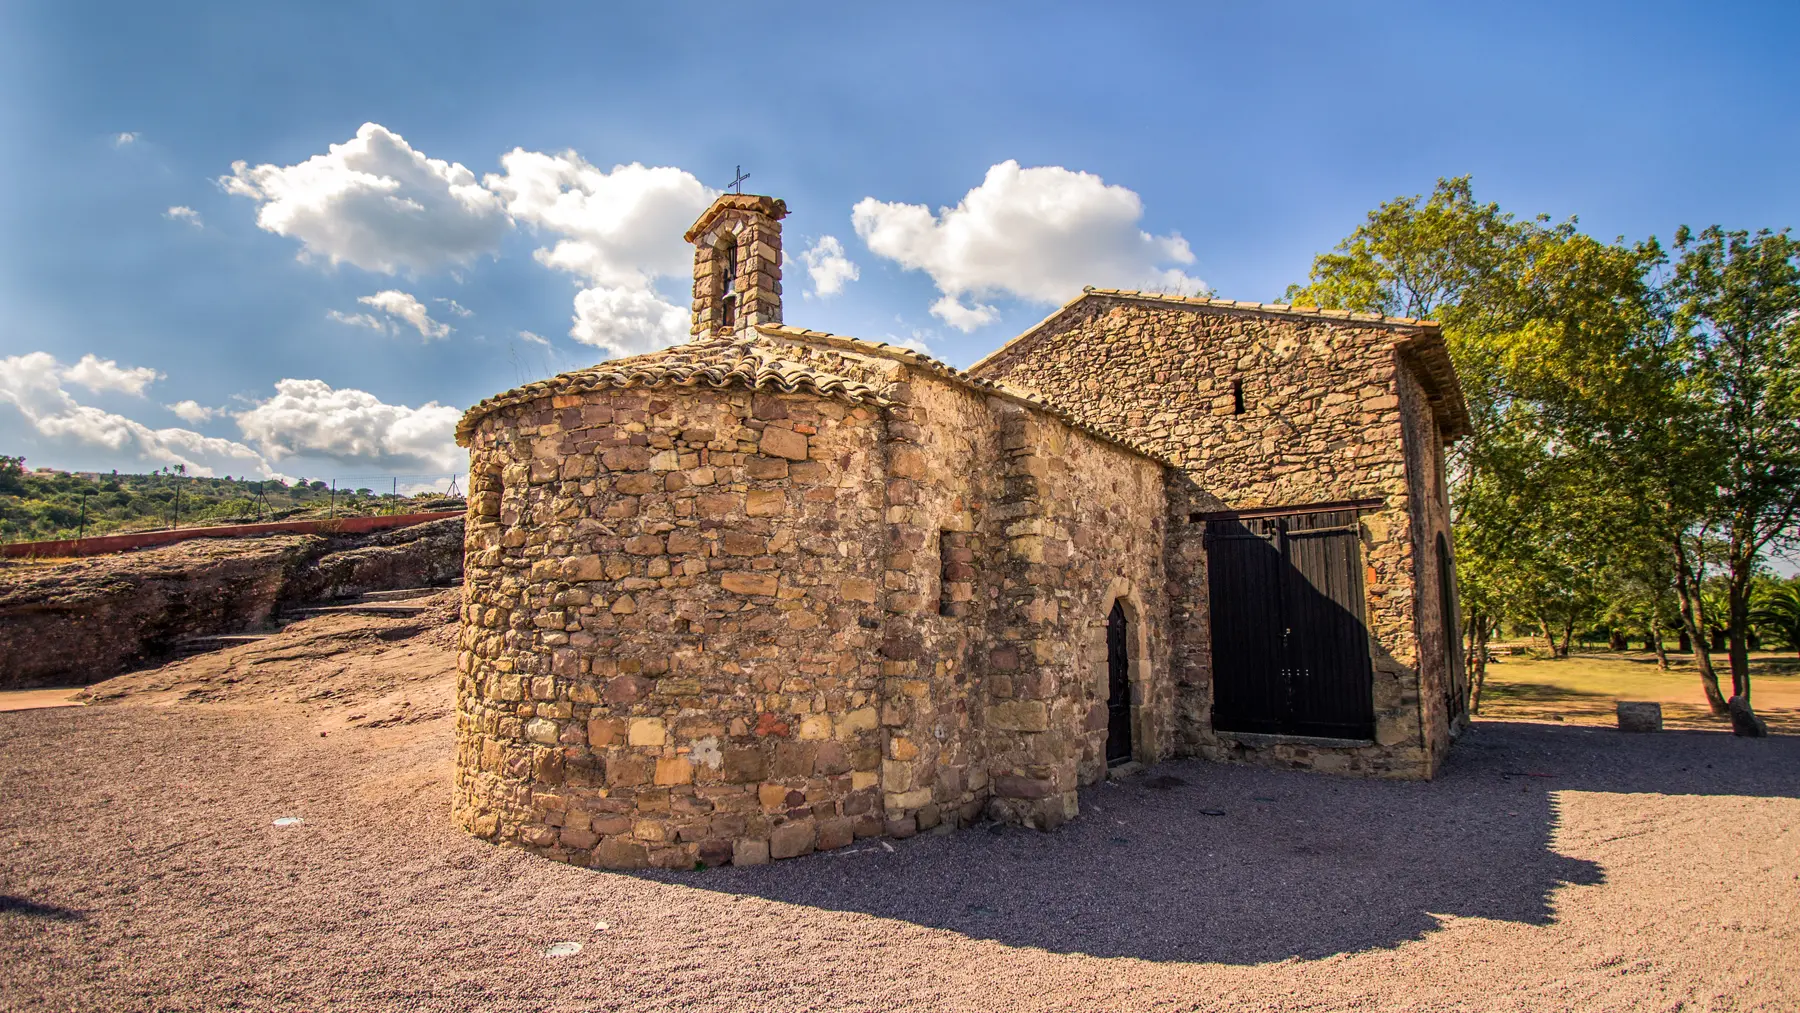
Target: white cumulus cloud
x: 97, y: 374
x: 619, y: 231
x: 369, y: 320
x: 304, y: 418
x: 179, y: 213
x: 1038, y: 234
x: 125, y: 138
x: 951, y: 310
x: 536, y: 339
x: 309, y: 417
x: 32, y: 383
x: 192, y: 412
x: 626, y: 321
x: 377, y: 203
x: 455, y: 307
x: 828, y: 267
x: 408, y: 309
x: 396, y: 308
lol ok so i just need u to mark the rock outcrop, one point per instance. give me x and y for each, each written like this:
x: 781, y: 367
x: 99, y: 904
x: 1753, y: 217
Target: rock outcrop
x: 1640, y: 716
x: 90, y: 619
x: 424, y: 555
x: 1744, y: 721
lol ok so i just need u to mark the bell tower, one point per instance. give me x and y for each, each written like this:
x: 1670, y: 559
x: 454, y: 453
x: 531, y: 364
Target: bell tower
x: 737, y: 264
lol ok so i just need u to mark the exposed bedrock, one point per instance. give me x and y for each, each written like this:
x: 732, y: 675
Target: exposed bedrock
x: 90, y: 619
x: 423, y: 555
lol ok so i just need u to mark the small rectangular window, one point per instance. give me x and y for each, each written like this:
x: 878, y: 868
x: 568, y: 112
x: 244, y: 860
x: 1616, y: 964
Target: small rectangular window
x: 1237, y: 397
x: 956, y: 573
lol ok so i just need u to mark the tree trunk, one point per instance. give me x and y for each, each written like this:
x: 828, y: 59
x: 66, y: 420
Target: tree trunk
x: 1549, y: 635
x: 1472, y: 620
x: 1616, y: 641
x: 1568, y: 635
x: 1737, y: 626
x: 1684, y: 644
x: 1693, y: 619
x: 1653, y: 639
x: 1480, y: 638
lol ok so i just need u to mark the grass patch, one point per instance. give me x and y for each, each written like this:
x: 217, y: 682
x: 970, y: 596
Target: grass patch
x: 1585, y: 687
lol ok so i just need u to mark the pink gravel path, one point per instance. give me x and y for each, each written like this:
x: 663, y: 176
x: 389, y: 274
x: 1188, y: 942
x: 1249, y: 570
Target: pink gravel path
x: 142, y: 872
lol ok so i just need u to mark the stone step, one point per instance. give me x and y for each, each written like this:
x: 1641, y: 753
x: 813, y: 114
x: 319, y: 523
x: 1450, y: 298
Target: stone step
x: 400, y: 594
x: 216, y: 642
x: 373, y: 608
x: 227, y: 638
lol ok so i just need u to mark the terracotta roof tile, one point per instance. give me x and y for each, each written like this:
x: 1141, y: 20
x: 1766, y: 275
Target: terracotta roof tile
x: 716, y: 362
x: 771, y: 206
x: 1284, y: 309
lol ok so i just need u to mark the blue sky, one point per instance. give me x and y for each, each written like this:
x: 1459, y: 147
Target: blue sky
x: 1136, y: 144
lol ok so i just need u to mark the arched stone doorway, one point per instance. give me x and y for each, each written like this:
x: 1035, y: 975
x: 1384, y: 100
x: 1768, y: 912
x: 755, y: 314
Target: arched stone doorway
x: 1118, y: 683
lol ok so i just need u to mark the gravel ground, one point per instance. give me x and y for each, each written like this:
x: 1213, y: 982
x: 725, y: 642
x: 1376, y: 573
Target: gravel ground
x: 1547, y: 868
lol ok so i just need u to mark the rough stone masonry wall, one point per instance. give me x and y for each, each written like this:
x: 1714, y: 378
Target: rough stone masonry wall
x: 1082, y: 527
x: 1321, y: 423
x: 670, y: 629
x: 1439, y: 636
x: 943, y: 476
x: 1010, y: 534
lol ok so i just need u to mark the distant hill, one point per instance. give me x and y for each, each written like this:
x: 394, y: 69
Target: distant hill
x: 44, y: 504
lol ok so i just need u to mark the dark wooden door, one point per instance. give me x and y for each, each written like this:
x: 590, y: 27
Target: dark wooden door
x: 1118, y: 687
x: 1456, y: 695
x: 1290, y: 646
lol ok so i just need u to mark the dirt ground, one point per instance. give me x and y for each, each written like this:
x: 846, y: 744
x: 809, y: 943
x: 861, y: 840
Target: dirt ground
x: 1549, y: 867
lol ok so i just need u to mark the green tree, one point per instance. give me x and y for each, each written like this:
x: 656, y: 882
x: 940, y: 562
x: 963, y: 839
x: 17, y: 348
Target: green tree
x: 12, y: 475
x: 1447, y: 257
x: 1777, y: 611
x: 1611, y: 378
x: 1737, y: 298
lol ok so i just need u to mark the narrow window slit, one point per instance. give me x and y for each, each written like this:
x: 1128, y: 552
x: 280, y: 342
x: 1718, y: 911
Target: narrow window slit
x: 1237, y: 397
x: 956, y: 573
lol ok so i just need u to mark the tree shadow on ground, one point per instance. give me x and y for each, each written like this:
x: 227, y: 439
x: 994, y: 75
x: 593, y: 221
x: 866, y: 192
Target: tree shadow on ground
x: 1293, y: 864
x: 1542, y: 692
x: 25, y: 907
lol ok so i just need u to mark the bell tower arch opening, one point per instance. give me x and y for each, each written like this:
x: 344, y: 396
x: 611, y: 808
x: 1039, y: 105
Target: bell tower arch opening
x: 727, y: 256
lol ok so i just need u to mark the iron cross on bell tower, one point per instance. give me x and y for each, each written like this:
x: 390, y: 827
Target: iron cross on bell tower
x: 737, y: 184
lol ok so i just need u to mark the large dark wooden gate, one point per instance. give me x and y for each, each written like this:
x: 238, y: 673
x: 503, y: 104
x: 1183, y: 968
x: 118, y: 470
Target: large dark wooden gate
x: 1289, y: 643
x: 1118, y: 687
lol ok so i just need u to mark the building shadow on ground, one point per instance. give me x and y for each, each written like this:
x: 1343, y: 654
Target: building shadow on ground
x: 1202, y: 862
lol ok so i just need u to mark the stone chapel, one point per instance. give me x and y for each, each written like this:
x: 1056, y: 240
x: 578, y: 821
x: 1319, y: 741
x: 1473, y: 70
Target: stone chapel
x: 773, y: 590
